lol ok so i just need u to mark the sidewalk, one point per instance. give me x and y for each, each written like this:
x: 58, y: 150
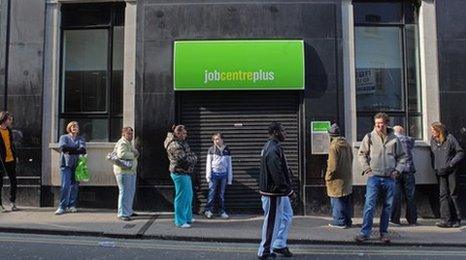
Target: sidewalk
x: 239, y: 228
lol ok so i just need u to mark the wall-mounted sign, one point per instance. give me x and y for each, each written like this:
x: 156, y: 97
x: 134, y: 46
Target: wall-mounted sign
x: 239, y: 65
x: 320, y: 140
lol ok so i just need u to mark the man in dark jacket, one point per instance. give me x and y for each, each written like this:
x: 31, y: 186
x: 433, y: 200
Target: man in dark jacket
x: 405, y: 182
x: 8, y: 158
x: 276, y: 189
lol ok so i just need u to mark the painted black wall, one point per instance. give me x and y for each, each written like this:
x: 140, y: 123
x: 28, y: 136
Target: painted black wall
x: 23, y: 68
x: 160, y: 23
x: 451, y: 34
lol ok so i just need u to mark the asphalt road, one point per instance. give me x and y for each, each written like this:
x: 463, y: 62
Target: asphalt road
x: 26, y: 246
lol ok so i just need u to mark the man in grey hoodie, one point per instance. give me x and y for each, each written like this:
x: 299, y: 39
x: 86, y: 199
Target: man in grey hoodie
x: 382, y: 159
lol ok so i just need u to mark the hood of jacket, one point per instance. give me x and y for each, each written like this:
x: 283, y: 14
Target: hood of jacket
x: 170, y: 138
x: 340, y: 142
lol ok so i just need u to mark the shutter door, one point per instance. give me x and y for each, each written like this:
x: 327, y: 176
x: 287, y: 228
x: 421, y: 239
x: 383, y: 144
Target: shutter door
x: 243, y: 118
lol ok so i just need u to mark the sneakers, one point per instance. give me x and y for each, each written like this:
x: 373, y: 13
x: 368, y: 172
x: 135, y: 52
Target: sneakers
x: 224, y: 215
x: 443, y: 224
x: 192, y: 221
x: 457, y: 224
x: 72, y: 210
x: 13, y: 206
x: 125, y: 218
x: 394, y: 223
x: 283, y: 251
x: 185, y: 225
x: 267, y: 256
x: 2, y: 209
x: 208, y: 214
x: 385, y: 238
x: 360, y: 238
x: 59, y: 211
x: 337, y: 226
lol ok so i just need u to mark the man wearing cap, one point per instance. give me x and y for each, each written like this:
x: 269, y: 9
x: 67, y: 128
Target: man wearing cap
x: 339, y: 178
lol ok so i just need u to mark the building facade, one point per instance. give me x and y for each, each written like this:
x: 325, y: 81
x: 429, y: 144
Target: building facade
x: 109, y: 64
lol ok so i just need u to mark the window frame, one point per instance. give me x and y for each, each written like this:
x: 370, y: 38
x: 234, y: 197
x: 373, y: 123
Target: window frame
x: 404, y: 112
x: 108, y: 114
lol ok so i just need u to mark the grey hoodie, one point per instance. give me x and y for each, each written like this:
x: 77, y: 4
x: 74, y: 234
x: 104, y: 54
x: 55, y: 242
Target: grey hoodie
x: 381, y: 156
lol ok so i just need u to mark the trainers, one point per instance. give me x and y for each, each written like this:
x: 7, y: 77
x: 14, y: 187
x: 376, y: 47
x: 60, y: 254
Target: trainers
x: 224, y: 215
x: 283, y: 251
x: 192, y: 221
x: 267, y: 256
x: 60, y: 211
x: 457, y: 224
x: 337, y: 226
x: 385, y: 238
x: 125, y: 218
x: 360, y: 238
x: 185, y: 225
x: 394, y: 223
x: 208, y: 214
x: 72, y: 209
x: 443, y: 224
x: 2, y: 209
x: 13, y: 207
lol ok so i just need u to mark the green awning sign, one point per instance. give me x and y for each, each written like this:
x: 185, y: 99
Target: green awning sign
x: 239, y: 65
x: 320, y: 126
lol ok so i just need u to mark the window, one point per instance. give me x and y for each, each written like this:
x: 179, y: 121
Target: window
x: 387, y: 65
x: 92, y: 69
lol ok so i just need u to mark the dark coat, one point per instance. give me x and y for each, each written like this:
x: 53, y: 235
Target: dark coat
x: 275, y: 176
x: 446, y: 156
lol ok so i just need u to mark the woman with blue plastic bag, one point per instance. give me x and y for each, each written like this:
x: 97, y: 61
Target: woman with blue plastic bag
x: 71, y: 146
x: 126, y: 176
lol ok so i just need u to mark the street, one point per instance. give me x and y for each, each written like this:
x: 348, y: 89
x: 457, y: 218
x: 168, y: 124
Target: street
x: 22, y: 246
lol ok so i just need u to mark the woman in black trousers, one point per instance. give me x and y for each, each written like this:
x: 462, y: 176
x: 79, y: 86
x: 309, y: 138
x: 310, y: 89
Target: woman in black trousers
x: 446, y: 156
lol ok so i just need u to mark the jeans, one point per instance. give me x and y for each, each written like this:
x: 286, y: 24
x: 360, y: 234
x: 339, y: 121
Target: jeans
x: 278, y: 215
x: 126, y: 188
x: 183, y: 198
x: 69, y: 188
x: 449, y: 203
x: 341, y: 211
x: 405, y: 186
x: 214, y: 184
x: 10, y: 168
x: 377, y: 186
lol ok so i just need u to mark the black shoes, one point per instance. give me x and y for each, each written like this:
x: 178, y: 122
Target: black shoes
x: 267, y: 256
x: 283, y: 251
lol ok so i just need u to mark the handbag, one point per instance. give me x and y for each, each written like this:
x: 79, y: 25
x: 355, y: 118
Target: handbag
x: 122, y: 163
x: 82, y: 172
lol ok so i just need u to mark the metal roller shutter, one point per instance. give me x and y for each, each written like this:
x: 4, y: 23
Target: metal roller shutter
x: 243, y: 118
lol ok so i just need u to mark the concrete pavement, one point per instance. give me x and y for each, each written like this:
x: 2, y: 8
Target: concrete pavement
x: 239, y: 228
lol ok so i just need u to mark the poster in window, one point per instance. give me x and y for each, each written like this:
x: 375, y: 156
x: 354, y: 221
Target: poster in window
x: 365, y: 81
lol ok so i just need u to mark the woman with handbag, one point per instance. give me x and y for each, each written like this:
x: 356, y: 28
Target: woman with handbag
x: 446, y: 155
x: 182, y: 162
x: 126, y: 175
x: 71, y: 146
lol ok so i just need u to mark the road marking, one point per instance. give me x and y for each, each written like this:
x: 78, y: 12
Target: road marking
x: 235, y: 248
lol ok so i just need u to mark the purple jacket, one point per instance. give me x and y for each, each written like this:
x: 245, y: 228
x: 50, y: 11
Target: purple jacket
x: 408, y: 145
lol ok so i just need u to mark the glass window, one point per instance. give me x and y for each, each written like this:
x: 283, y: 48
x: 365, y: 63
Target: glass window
x: 92, y: 69
x: 387, y: 65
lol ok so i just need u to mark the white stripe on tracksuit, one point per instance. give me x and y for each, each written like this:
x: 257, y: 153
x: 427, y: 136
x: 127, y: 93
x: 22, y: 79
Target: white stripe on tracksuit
x: 278, y: 216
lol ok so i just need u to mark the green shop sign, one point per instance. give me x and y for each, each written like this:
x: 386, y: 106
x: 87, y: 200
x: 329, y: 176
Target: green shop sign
x: 239, y: 65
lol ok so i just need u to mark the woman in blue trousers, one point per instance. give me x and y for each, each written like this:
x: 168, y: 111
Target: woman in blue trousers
x: 182, y: 162
x: 71, y: 146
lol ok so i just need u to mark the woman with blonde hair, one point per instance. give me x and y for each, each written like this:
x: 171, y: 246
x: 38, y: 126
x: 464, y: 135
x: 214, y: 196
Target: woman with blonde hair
x: 126, y: 177
x: 71, y: 146
x: 446, y: 155
x: 182, y: 162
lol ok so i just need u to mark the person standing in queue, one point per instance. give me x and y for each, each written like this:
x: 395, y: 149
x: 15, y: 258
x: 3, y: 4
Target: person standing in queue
x: 276, y: 189
x: 182, y: 162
